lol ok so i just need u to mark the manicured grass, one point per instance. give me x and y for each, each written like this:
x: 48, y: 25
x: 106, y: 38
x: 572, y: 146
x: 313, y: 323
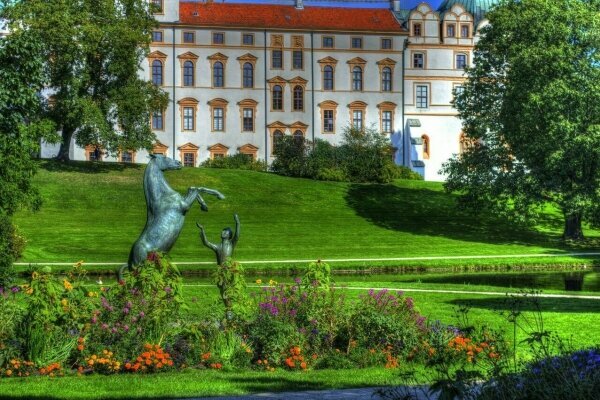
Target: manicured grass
x: 190, y: 383
x: 94, y: 212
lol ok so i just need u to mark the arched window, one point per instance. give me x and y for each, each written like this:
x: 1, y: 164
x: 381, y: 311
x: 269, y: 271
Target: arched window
x: 298, y: 137
x: 328, y: 77
x: 386, y: 79
x: 188, y: 73
x: 157, y: 72
x: 277, y: 136
x: 248, y: 75
x: 218, y: 75
x: 298, y: 98
x: 426, y: 147
x: 277, y: 96
x: 357, y: 79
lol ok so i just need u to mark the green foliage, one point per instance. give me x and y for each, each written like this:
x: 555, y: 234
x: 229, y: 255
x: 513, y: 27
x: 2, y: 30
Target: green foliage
x: 141, y: 309
x: 12, y: 245
x: 363, y: 156
x: 383, y: 319
x: 229, y: 278
x: 91, y: 52
x: 317, y: 274
x: 236, y: 161
x: 531, y: 114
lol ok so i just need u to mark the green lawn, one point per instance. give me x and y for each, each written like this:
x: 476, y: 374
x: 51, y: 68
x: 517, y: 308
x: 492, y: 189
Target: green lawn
x: 94, y: 212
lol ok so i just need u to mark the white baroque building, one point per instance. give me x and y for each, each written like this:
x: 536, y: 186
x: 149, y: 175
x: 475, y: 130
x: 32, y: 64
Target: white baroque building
x: 241, y: 75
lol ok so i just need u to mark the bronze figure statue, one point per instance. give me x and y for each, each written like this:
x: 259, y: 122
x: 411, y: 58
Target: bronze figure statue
x: 165, y: 211
x: 229, y: 239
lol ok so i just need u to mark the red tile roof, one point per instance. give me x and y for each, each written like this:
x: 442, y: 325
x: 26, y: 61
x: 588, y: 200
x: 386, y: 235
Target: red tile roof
x: 268, y: 16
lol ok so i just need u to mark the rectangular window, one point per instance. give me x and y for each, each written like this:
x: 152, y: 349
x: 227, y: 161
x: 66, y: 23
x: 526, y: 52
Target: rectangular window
x: 189, y: 160
x: 157, y: 121
x: 327, y: 42
x: 188, y: 118
x: 450, y: 30
x: 157, y: 6
x: 127, y: 157
x: 328, y: 121
x: 386, y: 44
x: 357, y: 119
x: 247, y: 39
x: 157, y: 36
x: 189, y: 37
x: 218, y: 38
x: 386, y: 121
x: 276, y: 59
x: 422, y: 96
x: 297, y: 59
x: 356, y: 43
x: 417, y: 31
x: 418, y: 60
x: 464, y: 31
x: 248, y: 123
x: 461, y: 61
x: 218, y: 119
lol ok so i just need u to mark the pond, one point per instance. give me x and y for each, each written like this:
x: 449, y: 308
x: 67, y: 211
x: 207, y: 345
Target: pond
x: 582, y: 280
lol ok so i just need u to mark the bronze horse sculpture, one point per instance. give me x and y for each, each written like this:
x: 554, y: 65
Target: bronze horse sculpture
x: 165, y: 211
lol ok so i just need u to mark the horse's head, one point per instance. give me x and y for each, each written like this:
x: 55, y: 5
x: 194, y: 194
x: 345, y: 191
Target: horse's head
x: 164, y: 162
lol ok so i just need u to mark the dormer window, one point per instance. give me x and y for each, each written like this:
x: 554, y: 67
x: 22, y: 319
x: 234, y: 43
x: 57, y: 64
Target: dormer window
x: 417, y: 29
x: 451, y: 30
x: 464, y: 31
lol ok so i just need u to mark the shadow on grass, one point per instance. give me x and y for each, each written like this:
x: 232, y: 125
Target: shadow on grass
x: 435, y: 213
x: 87, y: 167
x: 546, y: 305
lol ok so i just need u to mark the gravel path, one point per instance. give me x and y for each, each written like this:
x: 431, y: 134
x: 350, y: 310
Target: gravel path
x: 336, y: 394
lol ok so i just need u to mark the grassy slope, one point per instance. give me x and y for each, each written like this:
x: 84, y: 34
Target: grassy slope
x: 95, y: 212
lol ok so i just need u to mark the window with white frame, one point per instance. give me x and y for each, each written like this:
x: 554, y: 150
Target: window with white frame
x: 386, y: 121
x: 188, y: 118
x: 386, y: 79
x: 357, y: 119
x: 422, y: 94
x: 461, y: 61
x: 248, y: 120
x: 328, y: 123
x: 357, y: 79
x: 418, y: 60
x: 218, y: 119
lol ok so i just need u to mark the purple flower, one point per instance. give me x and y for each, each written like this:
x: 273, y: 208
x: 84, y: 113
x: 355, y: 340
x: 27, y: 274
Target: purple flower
x: 105, y: 326
x: 126, y: 310
x: 14, y: 289
x: 94, y: 319
x: 371, y: 292
x: 126, y: 328
x: 114, y: 330
x: 128, y: 304
x: 293, y: 313
x: 142, y: 314
x: 274, y: 310
x: 297, y: 281
x: 168, y: 289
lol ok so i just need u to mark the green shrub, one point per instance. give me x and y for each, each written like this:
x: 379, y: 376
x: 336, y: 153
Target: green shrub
x: 386, y: 319
x: 363, y: 156
x: 236, y: 161
x: 229, y: 278
x: 12, y: 245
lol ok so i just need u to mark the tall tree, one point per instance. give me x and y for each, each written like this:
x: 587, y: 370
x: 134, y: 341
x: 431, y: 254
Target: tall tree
x: 21, y: 129
x: 531, y: 114
x: 93, y: 50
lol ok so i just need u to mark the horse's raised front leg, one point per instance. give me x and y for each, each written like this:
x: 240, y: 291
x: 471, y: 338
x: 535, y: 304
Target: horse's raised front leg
x: 209, y: 191
x: 191, y: 196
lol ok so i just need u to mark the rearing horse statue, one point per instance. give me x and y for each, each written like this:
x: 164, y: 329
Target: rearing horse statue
x: 165, y: 211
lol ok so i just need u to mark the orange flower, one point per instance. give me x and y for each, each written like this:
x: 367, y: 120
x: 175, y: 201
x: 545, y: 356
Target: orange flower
x: 303, y: 365
x: 8, y: 372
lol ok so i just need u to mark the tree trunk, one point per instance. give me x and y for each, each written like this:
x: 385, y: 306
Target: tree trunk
x: 573, y: 229
x: 65, y: 145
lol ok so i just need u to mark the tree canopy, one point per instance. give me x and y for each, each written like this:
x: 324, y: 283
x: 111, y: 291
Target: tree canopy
x: 92, y: 52
x: 531, y: 114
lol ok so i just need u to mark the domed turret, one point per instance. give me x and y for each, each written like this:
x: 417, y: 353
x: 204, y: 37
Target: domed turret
x: 477, y: 8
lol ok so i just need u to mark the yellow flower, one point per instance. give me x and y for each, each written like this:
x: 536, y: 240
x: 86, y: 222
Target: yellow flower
x: 92, y: 294
x: 64, y: 302
x: 272, y: 282
x: 78, y: 264
x: 258, y: 281
x: 67, y: 285
x: 34, y: 275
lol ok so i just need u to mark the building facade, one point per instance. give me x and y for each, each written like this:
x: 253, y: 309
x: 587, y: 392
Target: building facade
x: 240, y: 76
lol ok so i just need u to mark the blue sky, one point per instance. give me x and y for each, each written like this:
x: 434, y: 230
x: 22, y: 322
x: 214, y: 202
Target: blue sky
x: 342, y: 3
